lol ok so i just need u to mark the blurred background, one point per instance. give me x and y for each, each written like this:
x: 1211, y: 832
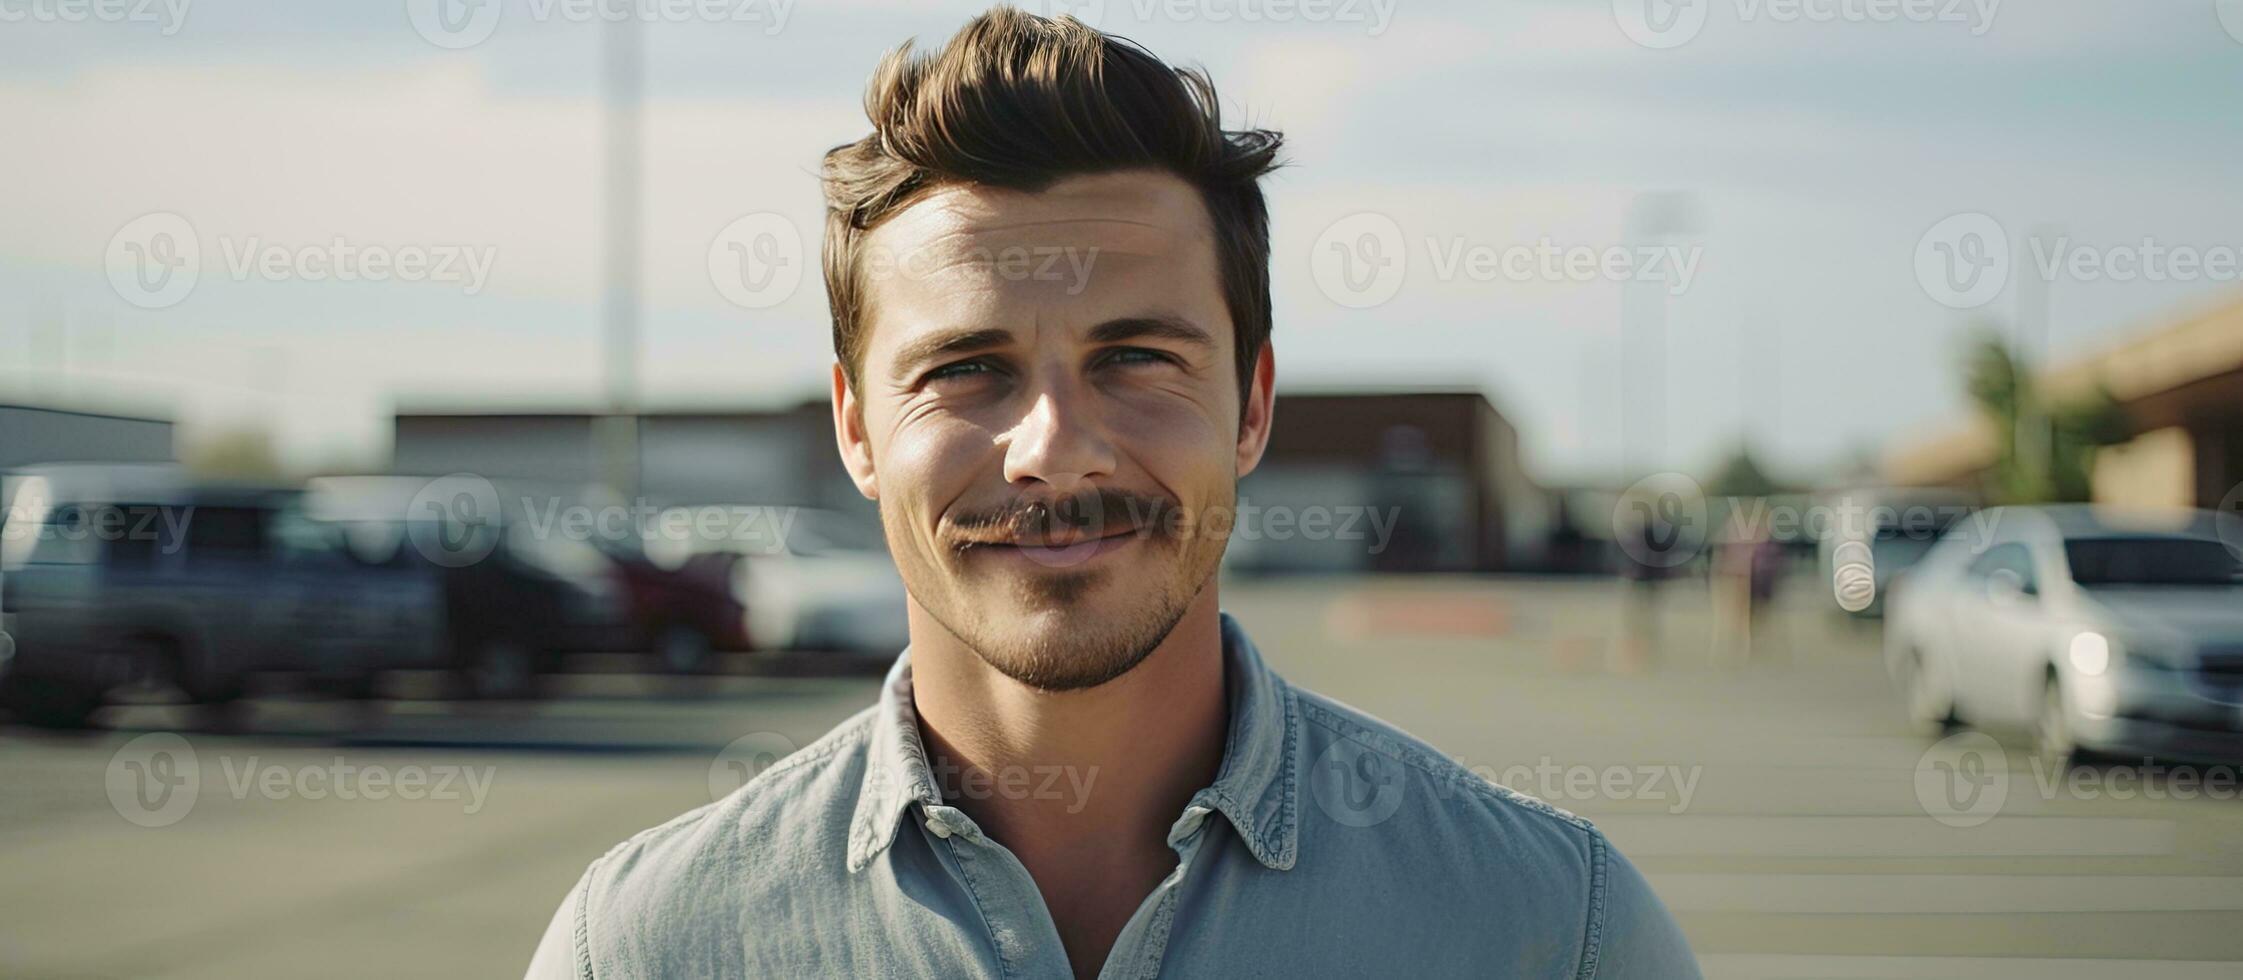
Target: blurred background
x: 416, y: 473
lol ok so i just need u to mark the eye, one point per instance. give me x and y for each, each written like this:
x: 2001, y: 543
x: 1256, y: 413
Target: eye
x: 1134, y: 356
x: 962, y: 369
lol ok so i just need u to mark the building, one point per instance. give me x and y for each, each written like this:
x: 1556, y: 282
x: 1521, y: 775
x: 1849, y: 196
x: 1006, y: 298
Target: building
x: 43, y: 434
x: 1352, y: 481
x: 784, y: 457
x: 2181, y: 387
x: 1433, y: 478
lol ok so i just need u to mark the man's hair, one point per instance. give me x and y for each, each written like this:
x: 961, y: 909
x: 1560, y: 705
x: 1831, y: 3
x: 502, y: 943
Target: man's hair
x: 1020, y: 101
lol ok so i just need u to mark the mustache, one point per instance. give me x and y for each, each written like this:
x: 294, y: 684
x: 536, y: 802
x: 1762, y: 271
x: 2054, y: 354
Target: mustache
x: 1105, y: 512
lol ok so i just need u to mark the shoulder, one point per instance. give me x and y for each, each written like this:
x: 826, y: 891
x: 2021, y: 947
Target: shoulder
x: 783, y: 832
x: 1346, y: 745
x: 1379, y: 798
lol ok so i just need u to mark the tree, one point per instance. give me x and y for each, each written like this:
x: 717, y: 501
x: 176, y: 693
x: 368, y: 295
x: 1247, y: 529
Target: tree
x: 2045, y: 450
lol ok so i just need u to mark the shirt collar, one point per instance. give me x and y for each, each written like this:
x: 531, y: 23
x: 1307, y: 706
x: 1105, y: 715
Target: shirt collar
x: 1256, y: 788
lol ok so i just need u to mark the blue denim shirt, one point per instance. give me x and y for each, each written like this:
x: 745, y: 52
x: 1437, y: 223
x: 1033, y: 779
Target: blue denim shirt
x: 1330, y: 844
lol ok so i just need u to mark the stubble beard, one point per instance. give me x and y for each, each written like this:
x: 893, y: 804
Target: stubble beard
x: 1062, y: 647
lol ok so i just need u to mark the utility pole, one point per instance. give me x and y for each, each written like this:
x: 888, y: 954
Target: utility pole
x: 623, y: 78
x: 1654, y: 218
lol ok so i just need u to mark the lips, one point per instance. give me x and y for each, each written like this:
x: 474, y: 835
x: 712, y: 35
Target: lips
x: 1055, y: 551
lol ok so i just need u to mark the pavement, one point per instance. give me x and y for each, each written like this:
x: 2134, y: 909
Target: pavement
x: 1777, y: 801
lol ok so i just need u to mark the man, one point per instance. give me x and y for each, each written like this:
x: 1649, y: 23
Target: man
x: 1048, y: 268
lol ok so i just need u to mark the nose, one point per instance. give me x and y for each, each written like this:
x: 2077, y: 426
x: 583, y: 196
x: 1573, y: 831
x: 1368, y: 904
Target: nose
x: 1059, y: 442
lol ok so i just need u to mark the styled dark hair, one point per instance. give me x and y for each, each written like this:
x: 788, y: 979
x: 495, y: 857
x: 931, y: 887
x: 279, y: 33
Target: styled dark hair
x: 1019, y: 101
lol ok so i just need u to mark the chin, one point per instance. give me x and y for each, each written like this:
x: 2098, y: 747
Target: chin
x: 1083, y: 643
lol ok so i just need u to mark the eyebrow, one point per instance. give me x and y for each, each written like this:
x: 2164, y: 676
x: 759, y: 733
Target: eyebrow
x: 950, y: 344
x: 1154, y: 327
x: 954, y: 343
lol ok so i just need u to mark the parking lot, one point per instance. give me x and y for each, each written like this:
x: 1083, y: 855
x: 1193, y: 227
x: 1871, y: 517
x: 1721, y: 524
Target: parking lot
x: 1778, y: 802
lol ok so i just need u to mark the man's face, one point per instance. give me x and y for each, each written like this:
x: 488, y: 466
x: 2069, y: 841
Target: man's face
x: 1048, y: 414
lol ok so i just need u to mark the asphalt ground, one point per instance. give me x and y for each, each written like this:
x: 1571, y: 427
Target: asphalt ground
x: 1796, y: 825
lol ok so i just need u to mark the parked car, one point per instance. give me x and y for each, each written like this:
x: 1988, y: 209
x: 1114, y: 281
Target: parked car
x: 119, y: 575
x: 686, y: 612
x: 2095, y: 630
x: 517, y: 593
x: 808, y: 579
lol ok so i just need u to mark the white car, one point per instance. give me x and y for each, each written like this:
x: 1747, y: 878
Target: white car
x: 2097, y: 631
x: 813, y: 580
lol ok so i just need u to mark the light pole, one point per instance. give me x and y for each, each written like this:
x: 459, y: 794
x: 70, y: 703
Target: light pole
x: 623, y: 78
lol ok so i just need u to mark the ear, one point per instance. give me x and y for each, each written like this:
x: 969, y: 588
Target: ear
x: 849, y: 435
x: 1259, y: 409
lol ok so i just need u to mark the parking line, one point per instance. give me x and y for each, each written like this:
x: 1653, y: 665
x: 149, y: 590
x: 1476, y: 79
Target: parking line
x: 1778, y: 966
x: 1642, y: 836
x: 1936, y: 894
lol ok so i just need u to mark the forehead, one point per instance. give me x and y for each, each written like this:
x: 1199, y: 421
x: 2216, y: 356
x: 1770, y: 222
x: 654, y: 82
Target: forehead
x: 1082, y: 250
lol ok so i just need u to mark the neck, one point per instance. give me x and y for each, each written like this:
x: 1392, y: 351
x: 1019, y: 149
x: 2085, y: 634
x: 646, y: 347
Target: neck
x: 1124, y: 757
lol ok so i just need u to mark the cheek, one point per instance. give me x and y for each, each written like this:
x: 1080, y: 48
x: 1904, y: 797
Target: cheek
x: 934, y: 460
x: 1179, y: 445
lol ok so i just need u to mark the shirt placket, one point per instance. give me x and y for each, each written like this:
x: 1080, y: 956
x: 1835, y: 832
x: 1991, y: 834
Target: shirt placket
x: 1026, y: 939
x: 1020, y: 924
x: 1138, y: 951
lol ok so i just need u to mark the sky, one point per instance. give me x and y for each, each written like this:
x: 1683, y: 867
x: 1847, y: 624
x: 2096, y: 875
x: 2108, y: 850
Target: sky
x: 1792, y: 169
